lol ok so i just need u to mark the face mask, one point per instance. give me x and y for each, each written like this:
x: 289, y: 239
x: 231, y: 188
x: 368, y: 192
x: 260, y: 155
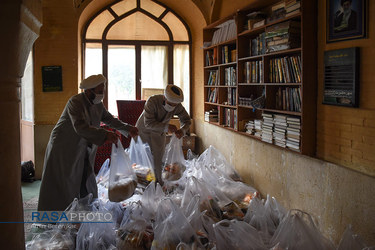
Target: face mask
x: 168, y: 107
x: 98, y: 98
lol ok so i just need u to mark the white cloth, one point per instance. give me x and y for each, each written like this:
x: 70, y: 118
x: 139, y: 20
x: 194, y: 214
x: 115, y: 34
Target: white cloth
x: 68, y: 170
x: 152, y: 125
x: 173, y: 94
x: 92, y: 81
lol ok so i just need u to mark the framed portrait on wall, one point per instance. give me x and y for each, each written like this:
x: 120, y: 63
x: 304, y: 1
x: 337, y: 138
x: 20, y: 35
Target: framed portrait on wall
x: 346, y: 20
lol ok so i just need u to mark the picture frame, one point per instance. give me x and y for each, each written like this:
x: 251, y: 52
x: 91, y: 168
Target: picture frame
x: 346, y: 20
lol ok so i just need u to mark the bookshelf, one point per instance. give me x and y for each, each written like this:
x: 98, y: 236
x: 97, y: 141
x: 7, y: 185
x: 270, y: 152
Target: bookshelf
x: 260, y: 73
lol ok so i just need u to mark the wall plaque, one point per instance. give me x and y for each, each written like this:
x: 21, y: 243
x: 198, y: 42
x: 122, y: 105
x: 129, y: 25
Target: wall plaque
x: 52, y: 78
x: 341, y: 77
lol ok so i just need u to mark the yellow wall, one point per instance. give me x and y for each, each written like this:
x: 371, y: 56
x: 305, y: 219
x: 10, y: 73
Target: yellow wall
x: 346, y: 136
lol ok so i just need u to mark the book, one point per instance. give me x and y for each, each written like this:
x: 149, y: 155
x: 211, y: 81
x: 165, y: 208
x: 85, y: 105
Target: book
x: 277, y: 6
x: 293, y: 7
x: 294, y: 12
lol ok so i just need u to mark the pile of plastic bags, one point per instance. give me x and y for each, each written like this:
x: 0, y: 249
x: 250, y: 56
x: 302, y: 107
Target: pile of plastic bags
x: 202, y: 205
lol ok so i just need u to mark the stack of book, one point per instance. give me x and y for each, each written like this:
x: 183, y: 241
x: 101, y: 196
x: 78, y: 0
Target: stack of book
x: 279, y: 130
x: 255, y: 19
x: 293, y: 133
x: 292, y: 7
x: 211, y: 115
x: 258, y: 128
x: 285, y: 35
x: 277, y: 12
x: 250, y: 127
x: 267, y: 127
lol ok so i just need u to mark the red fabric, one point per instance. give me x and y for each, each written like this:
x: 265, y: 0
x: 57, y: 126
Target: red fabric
x: 128, y: 112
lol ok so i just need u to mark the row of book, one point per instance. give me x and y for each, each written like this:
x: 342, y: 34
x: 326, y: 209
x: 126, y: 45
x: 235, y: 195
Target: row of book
x: 211, y: 57
x: 285, y: 69
x: 230, y: 78
x: 278, y: 129
x: 289, y: 99
x: 228, y: 54
x: 212, y: 95
x: 253, y: 71
x: 213, y: 78
x: 225, y: 31
x: 230, y: 118
x: 232, y: 97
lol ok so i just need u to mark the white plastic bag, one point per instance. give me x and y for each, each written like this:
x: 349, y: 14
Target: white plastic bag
x: 122, y: 178
x: 142, y: 161
x: 173, y: 160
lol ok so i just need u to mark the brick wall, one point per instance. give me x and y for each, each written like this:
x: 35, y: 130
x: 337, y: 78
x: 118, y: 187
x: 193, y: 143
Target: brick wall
x: 346, y: 136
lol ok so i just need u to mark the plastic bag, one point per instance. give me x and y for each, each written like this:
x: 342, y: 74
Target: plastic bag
x: 298, y: 231
x: 54, y: 239
x: 151, y: 199
x: 103, y: 174
x: 258, y: 217
x: 142, y: 161
x: 234, y: 234
x: 135, y: 231
x: 173, y: 160
x: 213, y: 158
x: 351, y: 241
x: 171, y: 228
x: 122, y: 178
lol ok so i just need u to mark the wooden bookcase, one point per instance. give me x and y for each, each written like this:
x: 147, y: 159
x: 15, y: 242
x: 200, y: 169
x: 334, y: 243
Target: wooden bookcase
x: 264, y: 82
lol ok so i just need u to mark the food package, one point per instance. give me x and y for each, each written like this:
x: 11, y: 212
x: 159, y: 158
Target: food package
x: 142, y: 161
x: 122, y: 178
x: 122, y: 188
x: 173, y: 160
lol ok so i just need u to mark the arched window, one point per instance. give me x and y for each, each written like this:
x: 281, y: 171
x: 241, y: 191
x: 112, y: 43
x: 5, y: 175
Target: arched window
x: 140, y: 46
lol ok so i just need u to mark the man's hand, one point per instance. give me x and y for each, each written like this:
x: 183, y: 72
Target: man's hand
x: 179, y: 134
x: 172, y: 128
x: 133, y: 131
x: 112, y: 137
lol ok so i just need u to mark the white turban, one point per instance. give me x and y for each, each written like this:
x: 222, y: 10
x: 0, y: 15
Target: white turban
x: 92, y: 81
x: 173, y: 94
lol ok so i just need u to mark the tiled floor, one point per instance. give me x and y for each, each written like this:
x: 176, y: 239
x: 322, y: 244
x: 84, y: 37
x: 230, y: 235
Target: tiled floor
x: 30, y: 195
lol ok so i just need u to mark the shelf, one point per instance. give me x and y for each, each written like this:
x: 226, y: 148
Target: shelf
x: 271, y: 84
x: 263, y: 27
x: 273, y: 54
x: 282, y: 112
x: 219, y: 86
x: 278, y: 80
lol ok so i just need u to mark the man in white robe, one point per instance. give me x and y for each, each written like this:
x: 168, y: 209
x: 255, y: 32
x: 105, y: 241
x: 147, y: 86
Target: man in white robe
x: 68, y: 170
x: 153, y: 124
